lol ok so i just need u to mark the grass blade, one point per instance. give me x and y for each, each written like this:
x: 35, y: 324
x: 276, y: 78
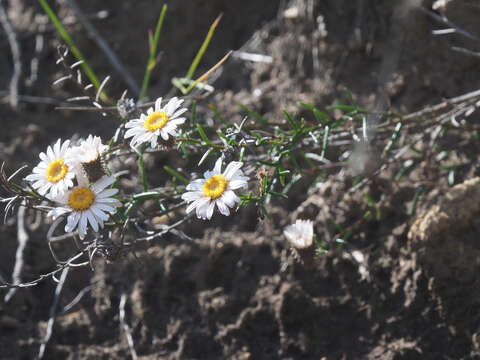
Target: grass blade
x: 153, y: 53
x: 203, y: 48
x: 176, y: 175
x: 71, y: 45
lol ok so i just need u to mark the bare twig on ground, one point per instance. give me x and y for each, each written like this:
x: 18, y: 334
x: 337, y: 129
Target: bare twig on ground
x: 53, y: 308
x: 103, y: 45
x: 16, y: 58
x: 22, y: 238
x: 77, y: 298
x: 444, y: 20
x: 126, y: 328
x: 31, y: 99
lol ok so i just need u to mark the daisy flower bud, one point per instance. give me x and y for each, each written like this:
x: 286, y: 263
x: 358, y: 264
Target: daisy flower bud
x: 89, y: 156
x: 55, y: 172
x: 87, y: 204
x: 300, y: 237
x: 216, y: 188
x: 161, y: 121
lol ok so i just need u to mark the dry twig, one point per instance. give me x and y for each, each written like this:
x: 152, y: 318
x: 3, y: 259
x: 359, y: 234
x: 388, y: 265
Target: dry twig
x: 15, y: 49
x: 53, y: 308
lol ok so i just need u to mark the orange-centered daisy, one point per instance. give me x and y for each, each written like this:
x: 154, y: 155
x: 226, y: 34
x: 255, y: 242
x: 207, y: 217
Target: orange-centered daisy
x: 87, y: 204
x: 56, y: 170
x: 216, y: 188
x: 156, y: 120
x: 81, y: 199
x: 159, y: 121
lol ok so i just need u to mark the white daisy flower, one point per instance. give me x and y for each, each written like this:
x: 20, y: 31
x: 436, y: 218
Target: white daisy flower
x: 215, y: 189
x: 300, y: 234
x: 161, y: 121
x: 87, y: 204
x: 90, y: 149
x: 55, y: 172
x: 88, y: 157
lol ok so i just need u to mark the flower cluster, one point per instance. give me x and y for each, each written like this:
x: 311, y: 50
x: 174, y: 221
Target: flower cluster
x: 75, y: 178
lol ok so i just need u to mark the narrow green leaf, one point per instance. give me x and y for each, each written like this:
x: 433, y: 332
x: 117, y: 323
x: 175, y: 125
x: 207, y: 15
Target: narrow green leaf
x: 253, y: 114
x: 291, y: 121
x: 193, y: 112
x: 176, y: 175
x: 203, y: 135
x: 204, y: 157
x: 321, y: 117
x: 153, y: 53
x: 203, y: 48
x: 325, y: 141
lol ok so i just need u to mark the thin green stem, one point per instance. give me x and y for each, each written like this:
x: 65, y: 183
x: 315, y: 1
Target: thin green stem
x: 203, y: 48
x: 71, y: 45
x: 153, y: 53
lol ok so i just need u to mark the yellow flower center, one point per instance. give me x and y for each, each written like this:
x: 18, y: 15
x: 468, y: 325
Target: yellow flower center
x: 81, y: 199
x: 56, y: 170
x: 156, y: 120
x: 215, y: 186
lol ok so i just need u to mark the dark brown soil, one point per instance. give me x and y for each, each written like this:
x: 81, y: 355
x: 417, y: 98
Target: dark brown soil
x: 235, y: 292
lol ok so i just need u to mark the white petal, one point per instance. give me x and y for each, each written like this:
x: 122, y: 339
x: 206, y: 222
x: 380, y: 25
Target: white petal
x: 55, y: 213
x: 110, y: 201
x: 229, y: 198
x: 82, y: 225
x: 218, y: 166
x: 222, y: 207
x: 91, y: 220
x: 72, y: 221
x: 39, y: 170
x: 64, y: 147
x: 232, y: 169
x: 169, y: 127
x: 43, y: 190
x: 208, y: 174
x: 171, y: 106
x: 133, y: 123
x: 210, y: 209
x: 33, y: 177
x: 178, y: 121
x: 153, y: 142
x: 178, y: 113
x: 38, y: 184
x: 236, y: 184
x: 191, y: 196
x: 149, y: 111
x: 97, y: 211
x: 56, y: 148
x: 54, y: 190
x: 196, y: 185
x: 132, y: 132
x: 107, y: 193
x: 202, y: 209
x: 198, y: 203
x: 50, y: 154
x: 164, y: 134
x: 103, y: 183
x: 158, y: 104
x: 106, y: 206
x: 145, y: 137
